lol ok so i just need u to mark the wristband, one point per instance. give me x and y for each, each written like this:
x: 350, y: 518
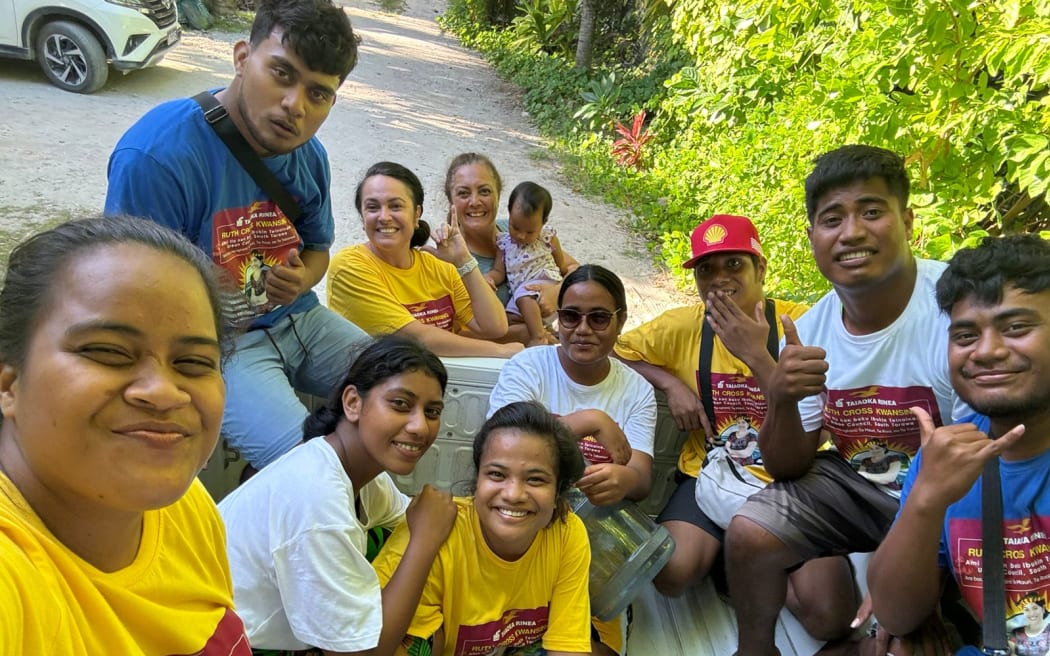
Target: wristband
x: 467, y: 267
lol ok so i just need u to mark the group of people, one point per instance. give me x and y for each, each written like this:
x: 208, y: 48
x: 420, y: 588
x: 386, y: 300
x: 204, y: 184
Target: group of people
x: 187, y: 312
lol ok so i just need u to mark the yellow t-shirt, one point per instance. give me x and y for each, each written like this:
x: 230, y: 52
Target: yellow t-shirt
x: 672, y: 341
x: 175, y: 598
x: 380, y: 298
x: 485, y: 602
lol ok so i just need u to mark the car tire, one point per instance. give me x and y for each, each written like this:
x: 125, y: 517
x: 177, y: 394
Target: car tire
x: 194, y: 14
x: 71, y: 56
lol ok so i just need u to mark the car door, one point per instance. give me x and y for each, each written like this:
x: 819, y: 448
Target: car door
x: 8, y: 30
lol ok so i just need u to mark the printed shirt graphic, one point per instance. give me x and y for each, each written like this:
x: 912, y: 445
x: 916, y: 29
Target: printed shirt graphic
x: 874, y: 430
x: 516, y: 628
x: 228, y: 639
x: 440, y: 312
x: 1025, y: 559
x: 247, y: 242
x: 739, y: 407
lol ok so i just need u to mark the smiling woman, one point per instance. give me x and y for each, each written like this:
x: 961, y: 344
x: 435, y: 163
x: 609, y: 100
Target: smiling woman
x: 112, y: 396
x: 389, y: 285
x: 298, y: 529
x: 608, y: 407
x: 514, y: 571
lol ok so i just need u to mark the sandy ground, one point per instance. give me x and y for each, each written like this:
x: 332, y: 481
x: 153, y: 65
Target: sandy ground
x: 416, y: 97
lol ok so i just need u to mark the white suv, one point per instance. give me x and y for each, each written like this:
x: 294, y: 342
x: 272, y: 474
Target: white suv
x: 75, y: 40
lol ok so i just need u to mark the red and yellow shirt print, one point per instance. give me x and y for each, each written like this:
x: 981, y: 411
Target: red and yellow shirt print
x: 874, y: 429
x: 247, y: 242
x: 440, y: 312
x: 515, y: 628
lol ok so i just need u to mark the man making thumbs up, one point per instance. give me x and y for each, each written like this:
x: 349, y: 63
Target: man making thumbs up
x: 732, y: 326
x: 997, y: 296
x: 850, y: 371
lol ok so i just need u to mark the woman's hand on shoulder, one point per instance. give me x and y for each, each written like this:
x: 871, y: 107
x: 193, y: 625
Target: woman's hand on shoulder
x: 430, y: 516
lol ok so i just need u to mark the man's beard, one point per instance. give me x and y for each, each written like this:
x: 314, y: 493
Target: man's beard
x: 1035, y: 402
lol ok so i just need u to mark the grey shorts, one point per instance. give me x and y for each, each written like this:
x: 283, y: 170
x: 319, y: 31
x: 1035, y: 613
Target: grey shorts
x: 830, y: 511
x: 681, y: 507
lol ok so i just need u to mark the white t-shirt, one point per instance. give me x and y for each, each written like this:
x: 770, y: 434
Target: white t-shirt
x: 535, y: 374
x: 873, y: 380
x: 297, y: 552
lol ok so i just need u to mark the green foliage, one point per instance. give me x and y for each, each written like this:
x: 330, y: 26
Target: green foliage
x: 545, y: 25
x: 601, y: 102
x: 960, y: 87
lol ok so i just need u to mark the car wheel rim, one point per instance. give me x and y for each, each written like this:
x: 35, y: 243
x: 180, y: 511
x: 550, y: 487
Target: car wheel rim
x: 65, y: 59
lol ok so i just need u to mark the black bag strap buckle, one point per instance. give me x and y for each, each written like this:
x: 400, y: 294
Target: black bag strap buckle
x: 215, y: 114
x: 213, y: 109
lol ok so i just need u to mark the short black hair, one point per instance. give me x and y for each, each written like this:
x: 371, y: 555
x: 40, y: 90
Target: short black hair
x: 982, y: 273
x: 848, y: 164
x: 531, y: 197
x: 319, y: 32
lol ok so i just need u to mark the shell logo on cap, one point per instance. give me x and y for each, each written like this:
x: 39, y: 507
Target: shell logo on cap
x: 716, y: 234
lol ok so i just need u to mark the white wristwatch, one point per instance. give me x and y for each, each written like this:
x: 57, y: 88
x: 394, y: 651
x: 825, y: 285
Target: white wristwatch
x: 467, y: 267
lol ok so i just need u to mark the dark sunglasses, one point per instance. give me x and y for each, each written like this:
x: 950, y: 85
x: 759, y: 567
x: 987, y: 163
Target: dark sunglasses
x: 596, y: 319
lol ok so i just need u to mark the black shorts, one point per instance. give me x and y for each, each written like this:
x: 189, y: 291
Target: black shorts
x: 681, y: 507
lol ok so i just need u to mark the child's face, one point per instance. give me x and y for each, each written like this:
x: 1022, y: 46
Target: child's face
x: 517, y: 490
x: 525, y: 227
x: 1033, y: 612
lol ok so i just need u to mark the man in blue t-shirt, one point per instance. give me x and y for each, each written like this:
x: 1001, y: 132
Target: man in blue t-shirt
x: 997, y: 297
x: 171, y: 167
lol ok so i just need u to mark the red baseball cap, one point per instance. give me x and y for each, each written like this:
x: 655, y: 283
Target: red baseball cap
x: 722, y: 233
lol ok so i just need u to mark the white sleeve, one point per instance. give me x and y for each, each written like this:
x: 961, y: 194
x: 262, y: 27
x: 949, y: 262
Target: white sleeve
x: 329, y: 591
x: 640, y: 425
x: 387, y: 504
x: 518, y: 381
x: 811, y: 410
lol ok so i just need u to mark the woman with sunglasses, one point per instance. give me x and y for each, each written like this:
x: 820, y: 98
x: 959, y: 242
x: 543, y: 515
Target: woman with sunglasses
x: 610, y: 408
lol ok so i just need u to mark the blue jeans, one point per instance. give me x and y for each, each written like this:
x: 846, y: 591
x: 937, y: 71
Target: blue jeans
x: 309, y: 352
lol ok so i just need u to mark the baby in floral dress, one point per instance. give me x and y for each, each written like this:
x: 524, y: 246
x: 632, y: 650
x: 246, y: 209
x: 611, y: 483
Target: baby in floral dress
x: 529, y: 252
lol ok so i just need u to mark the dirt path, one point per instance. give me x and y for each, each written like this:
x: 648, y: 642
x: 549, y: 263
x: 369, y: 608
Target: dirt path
x: 416, y: 97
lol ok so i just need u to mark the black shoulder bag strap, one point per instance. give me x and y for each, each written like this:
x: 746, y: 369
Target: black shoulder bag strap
x: 707, y: 338
x: 216, y: 116
x: 994, y: 588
